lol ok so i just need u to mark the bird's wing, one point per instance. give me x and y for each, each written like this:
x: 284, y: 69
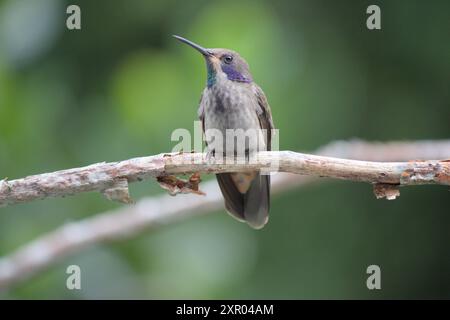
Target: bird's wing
x: 257, y: 197
x: 201, y: 113
x: 264, y: 114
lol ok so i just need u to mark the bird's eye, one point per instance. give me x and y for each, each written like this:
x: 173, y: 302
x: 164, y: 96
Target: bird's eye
x: 228, y: 59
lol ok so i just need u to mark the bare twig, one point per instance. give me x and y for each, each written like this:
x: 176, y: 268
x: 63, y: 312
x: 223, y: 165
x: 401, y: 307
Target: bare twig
x: 112, y: 178
x: 150, y: 212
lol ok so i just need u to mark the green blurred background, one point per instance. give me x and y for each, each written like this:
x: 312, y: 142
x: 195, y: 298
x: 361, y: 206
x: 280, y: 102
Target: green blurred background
x: 118, y: 87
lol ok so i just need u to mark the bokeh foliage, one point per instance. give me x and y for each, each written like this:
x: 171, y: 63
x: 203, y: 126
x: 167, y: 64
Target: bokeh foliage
x: 118, y: 88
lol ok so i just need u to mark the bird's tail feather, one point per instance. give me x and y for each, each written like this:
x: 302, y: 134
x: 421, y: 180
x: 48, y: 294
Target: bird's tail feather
x: 251, y: 206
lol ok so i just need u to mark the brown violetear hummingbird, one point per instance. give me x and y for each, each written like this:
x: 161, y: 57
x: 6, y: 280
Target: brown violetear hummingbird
x: 232, y: 100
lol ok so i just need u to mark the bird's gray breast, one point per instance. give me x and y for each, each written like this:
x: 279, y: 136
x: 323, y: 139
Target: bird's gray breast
x: 230, y: 106
x: 233, y: 106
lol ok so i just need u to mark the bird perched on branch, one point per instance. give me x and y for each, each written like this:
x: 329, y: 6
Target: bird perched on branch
x: 232, y: 100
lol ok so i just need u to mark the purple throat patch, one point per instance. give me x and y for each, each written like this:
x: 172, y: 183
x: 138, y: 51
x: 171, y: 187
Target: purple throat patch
x: 234, y: 75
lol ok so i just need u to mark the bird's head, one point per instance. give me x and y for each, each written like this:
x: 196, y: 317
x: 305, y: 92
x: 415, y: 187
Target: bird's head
x: 222, y: 61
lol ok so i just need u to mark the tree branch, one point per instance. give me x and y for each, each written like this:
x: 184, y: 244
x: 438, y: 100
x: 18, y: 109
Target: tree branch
x: 150, y: 212
x: 112, y: 178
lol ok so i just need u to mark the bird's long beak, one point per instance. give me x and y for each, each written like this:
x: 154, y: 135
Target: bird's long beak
x: 202, y: 50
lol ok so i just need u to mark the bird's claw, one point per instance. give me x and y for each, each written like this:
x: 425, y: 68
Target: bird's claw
x: 210, y: 156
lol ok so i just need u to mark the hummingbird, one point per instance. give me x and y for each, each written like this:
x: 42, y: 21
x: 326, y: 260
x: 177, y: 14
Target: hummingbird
x: 232, y: 100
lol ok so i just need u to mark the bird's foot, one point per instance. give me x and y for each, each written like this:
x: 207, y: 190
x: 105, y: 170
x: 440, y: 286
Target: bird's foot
x: 210, y: 156
x: 247, y: 155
